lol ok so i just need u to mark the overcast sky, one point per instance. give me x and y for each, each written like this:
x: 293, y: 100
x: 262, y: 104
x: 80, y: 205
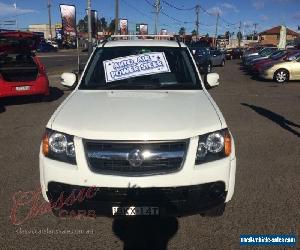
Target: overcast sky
x: 266, y: 13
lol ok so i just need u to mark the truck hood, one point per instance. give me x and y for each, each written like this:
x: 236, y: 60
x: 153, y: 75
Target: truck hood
x: 137, y: 115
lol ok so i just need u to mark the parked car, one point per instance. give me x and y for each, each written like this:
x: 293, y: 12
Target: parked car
x: 283, y: 71
x: 46, y: 47
x: 264, y: 53
x: 53, y: 43
x: 21, y: 71
x: 217, y: 58
x: 235, y: 53
x: 283, y: 56
x: 202, y: 57
x: 250, y: 63
x: 251, y: 51
x: 139, y: 135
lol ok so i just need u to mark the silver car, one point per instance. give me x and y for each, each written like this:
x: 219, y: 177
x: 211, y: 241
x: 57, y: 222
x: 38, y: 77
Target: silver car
x: 217, y: 58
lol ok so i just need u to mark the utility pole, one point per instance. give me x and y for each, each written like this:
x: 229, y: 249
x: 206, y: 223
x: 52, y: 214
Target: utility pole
x: 239, y: 35
x: 16, y: 21
x: 116, y: 16
x: 157, y: 9
x: 49, y: 16
x: 254, y: 32
x: 90, y: 46
x: 217, y: 25
x: 197, y: 19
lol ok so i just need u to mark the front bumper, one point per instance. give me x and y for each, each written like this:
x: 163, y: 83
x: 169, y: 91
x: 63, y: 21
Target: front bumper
x: 191, y: 176
x: 171, y: 201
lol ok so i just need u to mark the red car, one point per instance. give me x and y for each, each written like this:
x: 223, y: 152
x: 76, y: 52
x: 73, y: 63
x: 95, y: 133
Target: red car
x: 274, y: 59
x: 21, y: 72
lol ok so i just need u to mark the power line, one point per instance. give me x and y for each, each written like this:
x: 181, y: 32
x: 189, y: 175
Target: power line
x: 177, y: 8
x: 167, y: 15
x: 222, y: 18
x: 136, y: 9
x: 144, y: 14
x: 175, y: 19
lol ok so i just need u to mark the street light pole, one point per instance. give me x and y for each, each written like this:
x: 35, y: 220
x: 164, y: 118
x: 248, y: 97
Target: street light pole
x: 90, y: 47
x: 197, y: 19
x: 116, y: 16
x: 49, y: 16
x: 157, y: 9
x: 217, y: 26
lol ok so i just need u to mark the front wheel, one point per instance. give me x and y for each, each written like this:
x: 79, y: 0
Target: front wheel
x: 223, y: 63
x: 281, y: 76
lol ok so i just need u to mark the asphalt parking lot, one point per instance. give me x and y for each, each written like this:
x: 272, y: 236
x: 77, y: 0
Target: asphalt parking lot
x: 264, y: 118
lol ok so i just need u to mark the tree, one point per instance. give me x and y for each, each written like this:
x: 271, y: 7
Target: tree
x: 82, y: 25
x: 207, y: 35
x: 102, y: 24
x: 181, y: 31
x: 194, y: 33
x: 111, y: 26
x: 227, y: 34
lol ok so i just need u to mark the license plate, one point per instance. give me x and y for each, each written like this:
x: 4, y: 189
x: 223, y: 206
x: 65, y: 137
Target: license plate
x: 134, y: 211
x: 23, y: 88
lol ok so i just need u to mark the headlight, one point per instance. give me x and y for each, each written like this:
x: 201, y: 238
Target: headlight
x: 215, y: 142
x: 213, y: 146
x: 59, y: 146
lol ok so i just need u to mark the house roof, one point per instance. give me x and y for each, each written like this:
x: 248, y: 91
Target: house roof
x: 276, y: 31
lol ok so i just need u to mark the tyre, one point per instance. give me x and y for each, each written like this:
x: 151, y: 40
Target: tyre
x: 231, y: 57
x: 215, y: 212
x: 223, y: 63
x: 281, y: 76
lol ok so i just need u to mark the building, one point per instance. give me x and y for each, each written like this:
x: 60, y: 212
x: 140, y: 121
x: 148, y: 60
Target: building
x: 272, y: 36
x: 42, y: 28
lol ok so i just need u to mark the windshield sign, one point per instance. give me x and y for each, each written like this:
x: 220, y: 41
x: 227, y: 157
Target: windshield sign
x: 139, y: 67
x: 135, y: 65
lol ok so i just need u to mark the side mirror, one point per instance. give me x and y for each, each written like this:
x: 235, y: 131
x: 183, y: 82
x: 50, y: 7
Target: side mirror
x: 68, y: 79
x: 212, y: 79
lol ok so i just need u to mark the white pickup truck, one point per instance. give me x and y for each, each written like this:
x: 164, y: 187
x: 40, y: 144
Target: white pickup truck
x: 141, y: 134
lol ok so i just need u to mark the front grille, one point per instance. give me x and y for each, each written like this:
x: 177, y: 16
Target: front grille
x: 148, y: 158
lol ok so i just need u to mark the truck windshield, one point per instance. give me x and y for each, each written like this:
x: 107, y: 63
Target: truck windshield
x: 141, y: 68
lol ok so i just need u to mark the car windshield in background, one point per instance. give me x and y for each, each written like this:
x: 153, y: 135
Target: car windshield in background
x: 202, y: 51
x: 16, y: 60
x: 141, y: 68
x: 266, y: 52
x: 278, y: 54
